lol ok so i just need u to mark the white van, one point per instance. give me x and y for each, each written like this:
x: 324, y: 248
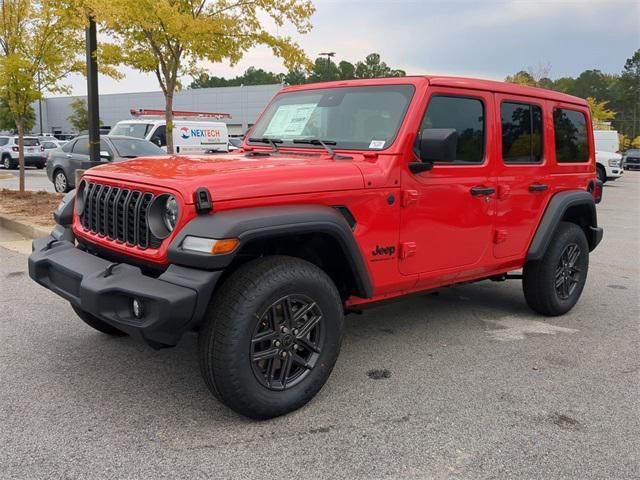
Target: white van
x: 189, y: 136
x: 606, y: 140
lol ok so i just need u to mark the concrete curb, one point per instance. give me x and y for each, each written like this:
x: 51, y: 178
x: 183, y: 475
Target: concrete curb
x: 23, y: 228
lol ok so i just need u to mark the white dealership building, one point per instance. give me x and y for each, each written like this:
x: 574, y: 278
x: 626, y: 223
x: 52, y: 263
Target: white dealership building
x: 243, y: 103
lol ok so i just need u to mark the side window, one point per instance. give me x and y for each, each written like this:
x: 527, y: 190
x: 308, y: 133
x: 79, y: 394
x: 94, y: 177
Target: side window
x: 81, y: 147
x: 68, y: 146
x: 3, y: 141
x: 464, y: 115
x: 570, y: 127
x: 521, y: 132
x: 160, y: 134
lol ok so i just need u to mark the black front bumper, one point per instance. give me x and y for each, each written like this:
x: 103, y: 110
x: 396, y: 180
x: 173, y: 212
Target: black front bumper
x: 174, y: 302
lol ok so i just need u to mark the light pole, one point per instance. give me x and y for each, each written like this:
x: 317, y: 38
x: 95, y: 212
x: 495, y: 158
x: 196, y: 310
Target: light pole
x: 92, y: 91
x: 329, y: 55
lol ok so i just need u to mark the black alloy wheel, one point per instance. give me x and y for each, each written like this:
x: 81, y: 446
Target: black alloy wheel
x: 287, y: 342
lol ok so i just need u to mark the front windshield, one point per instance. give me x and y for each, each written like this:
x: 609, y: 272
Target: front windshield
x: 138, y: 130
x: 355, y: 118
x: 131, y: 148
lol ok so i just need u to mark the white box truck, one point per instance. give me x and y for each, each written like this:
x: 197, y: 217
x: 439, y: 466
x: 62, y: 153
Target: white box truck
x: 194, y: 133
x: 606, y: 140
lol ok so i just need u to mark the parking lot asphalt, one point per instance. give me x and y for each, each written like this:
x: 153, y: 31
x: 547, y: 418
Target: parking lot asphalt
x: 468, y: 383
x: 34, y: 179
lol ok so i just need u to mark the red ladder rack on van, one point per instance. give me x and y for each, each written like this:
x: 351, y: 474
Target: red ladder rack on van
x: 145, y: 112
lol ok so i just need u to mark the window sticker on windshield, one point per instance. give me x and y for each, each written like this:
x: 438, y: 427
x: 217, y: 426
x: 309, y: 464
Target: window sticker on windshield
x: 377, y: 144
x: 290, y: 120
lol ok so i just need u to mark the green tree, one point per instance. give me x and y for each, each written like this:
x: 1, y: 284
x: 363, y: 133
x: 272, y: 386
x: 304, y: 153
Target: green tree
x: 169, y: 37
x: 599, y: 111
x: 522, y: 78
x: 79, y: 117
x: 8, y: 123
x: 373, y: 67
x: 40, y: 43
x: 324, y: 70
x: 347, y: 70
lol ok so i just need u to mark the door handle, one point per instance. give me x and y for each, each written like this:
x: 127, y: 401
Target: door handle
x: 538, y: 187
x: 482, y: 190
x: 68, y: 155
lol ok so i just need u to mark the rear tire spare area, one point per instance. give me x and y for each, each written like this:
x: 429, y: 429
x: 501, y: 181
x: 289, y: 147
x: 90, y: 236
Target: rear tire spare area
x: 97, y: 324
x: 553, y: 284
x: 271, y: 337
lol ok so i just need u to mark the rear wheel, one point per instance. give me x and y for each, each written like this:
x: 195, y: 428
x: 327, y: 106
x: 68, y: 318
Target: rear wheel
x: 553, y: 285
x: 601, y: 173
x: 60, y: 182
x: 97, y: 324
x: 272, y: 336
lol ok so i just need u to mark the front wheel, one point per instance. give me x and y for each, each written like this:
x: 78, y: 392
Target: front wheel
x: 553, y: 285
x: 272, y: 336
x: 60, y: 182
x: 601, y: 173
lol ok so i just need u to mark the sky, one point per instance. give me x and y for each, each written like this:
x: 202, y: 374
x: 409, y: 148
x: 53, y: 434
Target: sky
x: 481, y: 38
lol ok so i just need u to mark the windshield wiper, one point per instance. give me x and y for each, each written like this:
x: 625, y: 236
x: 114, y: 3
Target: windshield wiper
x: 324, y: 144
x: 270, y: 141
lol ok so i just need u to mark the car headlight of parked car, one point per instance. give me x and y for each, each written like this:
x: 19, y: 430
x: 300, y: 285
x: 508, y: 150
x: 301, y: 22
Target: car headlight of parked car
x: 614, y: 162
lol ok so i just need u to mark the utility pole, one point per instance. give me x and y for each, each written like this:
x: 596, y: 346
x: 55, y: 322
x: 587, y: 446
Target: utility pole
x: 92, y: 91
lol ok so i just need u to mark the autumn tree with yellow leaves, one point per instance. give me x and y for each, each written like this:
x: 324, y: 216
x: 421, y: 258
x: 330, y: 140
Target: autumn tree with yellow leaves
x: 170, y: 37
x: 40, y: 45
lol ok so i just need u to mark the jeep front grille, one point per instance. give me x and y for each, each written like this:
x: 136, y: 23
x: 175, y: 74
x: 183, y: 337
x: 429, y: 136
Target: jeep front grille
x: 119, y: 214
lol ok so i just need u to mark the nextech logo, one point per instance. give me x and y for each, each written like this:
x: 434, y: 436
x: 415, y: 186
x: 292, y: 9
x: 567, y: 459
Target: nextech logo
x: 186, y: 132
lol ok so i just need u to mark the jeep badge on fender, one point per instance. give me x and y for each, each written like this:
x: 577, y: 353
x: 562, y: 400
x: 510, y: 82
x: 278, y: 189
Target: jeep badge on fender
x: 262, y: 251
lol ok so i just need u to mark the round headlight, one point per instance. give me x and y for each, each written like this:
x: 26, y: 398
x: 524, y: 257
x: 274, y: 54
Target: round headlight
x: 81, y: 197
x: 170, y: 215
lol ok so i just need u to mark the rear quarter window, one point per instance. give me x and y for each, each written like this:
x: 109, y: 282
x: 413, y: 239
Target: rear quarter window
x: 571, y: 140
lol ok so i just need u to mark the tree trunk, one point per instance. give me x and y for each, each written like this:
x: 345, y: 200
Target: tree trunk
x: 168, y: 116
x: 20, y: 125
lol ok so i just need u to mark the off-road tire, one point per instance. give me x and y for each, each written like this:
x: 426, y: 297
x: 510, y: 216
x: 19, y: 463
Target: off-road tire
x: 601, y: 173
x: 235, y: 314
x: 97, y: 324
x: 539, y: 277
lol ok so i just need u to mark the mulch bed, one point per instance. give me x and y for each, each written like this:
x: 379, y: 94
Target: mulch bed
x: 32, y: 207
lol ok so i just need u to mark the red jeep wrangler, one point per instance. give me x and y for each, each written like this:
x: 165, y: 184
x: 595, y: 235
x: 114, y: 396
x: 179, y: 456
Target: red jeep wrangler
x: 343, y: 195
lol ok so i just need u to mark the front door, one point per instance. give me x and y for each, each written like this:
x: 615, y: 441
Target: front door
x: 448, y: 212
x: 523, y: 186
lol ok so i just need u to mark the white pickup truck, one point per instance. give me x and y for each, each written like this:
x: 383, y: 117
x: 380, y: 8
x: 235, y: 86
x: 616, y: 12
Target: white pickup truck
x: 608, y: 165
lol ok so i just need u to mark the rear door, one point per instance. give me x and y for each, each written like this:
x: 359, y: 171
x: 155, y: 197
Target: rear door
x: 447, y: 222
x: 522, y: 170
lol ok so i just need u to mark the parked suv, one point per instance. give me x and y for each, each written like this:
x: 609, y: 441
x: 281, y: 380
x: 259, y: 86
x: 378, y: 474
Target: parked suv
x: 33, y: 152
x: 343, y: 195
x: 631, y: 160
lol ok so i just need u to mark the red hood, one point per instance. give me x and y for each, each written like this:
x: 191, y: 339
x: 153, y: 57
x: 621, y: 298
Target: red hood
x: 232, y: 176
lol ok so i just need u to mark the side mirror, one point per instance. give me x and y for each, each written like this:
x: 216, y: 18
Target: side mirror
x: 157, y: 141
x: 104, y: 155
x: 435, y: 145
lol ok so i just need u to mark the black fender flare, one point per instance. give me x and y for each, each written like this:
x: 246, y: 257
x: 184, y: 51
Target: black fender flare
x: 253, y: 223
x: 556, y: 209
